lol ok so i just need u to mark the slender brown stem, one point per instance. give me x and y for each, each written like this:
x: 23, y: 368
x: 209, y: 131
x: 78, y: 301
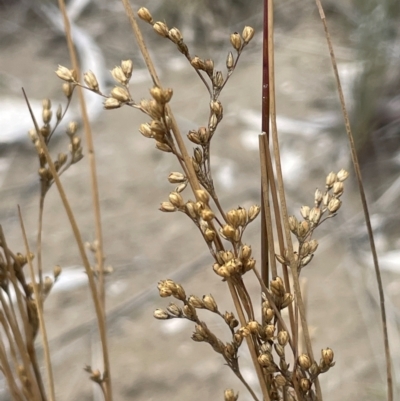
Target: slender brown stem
x: 25, y: 350
x: 39, y: 306
x: 39, y: 236
x: 357, y: 169
x: 249, y: 341
x: 281, y: 190
x: 100, y: 315
x: 92, y: 162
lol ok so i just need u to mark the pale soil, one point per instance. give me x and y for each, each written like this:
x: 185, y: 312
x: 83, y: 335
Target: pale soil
x: 153, y: 360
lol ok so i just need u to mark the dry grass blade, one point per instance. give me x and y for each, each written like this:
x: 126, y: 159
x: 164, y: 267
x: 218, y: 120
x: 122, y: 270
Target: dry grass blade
x: 39, y: 307
x: 364, y: 204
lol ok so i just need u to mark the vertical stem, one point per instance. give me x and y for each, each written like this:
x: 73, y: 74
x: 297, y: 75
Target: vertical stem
x: 39, y: 306
x: 91, y: 156
x: 357, y: 169
x: 285, y: 216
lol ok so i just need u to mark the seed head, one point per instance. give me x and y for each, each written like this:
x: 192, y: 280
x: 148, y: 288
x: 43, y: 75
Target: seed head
x: 327, y: 356
x: 66, y: 74
x: 111, y: 103
x: 167, y: 207
x: 229, y: 395
x: 253, y: 212
x: 342, y: 175
x: 236, y: 41
x: 230, y: 62
x: 304, y: 361
x: 161, y: 314
x: 119, y: 75
x: 338, y: 188
x: 330, y: 180
x: 145, y: 15
x: 176, y: 199
x: 209, y: 303
x: 247, y: 34
x: 127, y: 68
x: 283, y: 338
x: 161, y: 29
x: 91, y: 81
x: 334, y: 205
x: 175, y: 35
x: 67, y: 89
x: 120, y: 94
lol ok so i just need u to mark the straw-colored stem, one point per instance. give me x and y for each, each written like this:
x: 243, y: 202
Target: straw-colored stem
x: 100, y: 314
x: 39, y: 306
x: 357, y: 169
x: 12, y: 321
x: 92, y: 161
x: 249, y: 341
x: 281, y: 191
x: 8, y: 373
x: 39, y: 235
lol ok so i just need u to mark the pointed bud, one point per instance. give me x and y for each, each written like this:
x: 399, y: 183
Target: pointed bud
x: 161, y: 29
x: 127, y: 68
x: 176, y: 199
x: 145, y: 15
x: 315, y: 215
x: 111, y: 103
x: 330, y: 180
x: 338, y: 188
x: 334, y: 205
x: 305, y: 212
x: 91, y: 81
x: 119, y: 75
x: 65, y: 74
x: 209, y: 303
x: 67, y: 89
x: 175, y: 35
x: 253, y: 212
x: 236, y: 41
x: 120, y: 94
x: 230, y: 62
x: 342, y: 175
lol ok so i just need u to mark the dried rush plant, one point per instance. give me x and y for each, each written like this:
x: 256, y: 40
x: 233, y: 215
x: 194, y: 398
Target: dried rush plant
x: 283, y: 371
x: 270, y: 341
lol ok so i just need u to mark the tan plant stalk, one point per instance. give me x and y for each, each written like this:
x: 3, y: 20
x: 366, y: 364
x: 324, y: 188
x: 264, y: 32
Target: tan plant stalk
x: 26, y: 350
x: 39, y: 306
x: 91, y: 156
x: 285, y: 216
x: 364, y: 204
x: 100, y: 313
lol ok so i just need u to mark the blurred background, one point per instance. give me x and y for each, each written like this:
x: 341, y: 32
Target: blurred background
x: 154, y: 360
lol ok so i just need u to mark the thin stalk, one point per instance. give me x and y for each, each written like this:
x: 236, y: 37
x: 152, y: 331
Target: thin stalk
x: 39, y: 235
x: 357, y: 169
x: 281, y: 190
x: 100, y: 315
x: 25, y: 350
x: 39, y: 306
x: 92, y: 164
x: 249, y: 341
x: 8, y: 373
